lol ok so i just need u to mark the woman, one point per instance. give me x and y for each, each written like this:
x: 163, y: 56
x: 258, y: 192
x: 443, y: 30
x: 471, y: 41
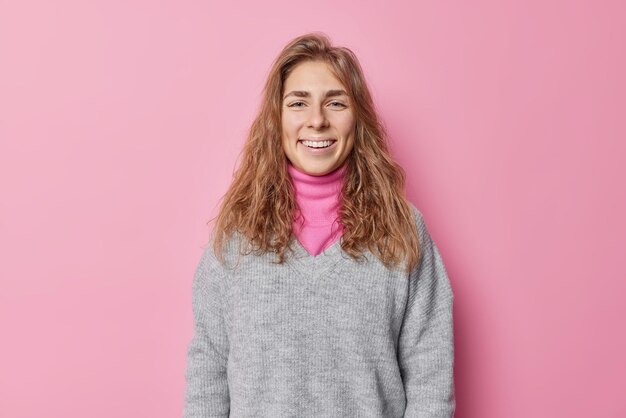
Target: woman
x: 321, y: 293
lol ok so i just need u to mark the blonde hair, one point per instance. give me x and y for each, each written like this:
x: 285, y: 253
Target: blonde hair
x: 260, y: 203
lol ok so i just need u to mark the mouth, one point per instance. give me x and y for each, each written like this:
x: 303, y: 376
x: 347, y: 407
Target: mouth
x: 318, y: 143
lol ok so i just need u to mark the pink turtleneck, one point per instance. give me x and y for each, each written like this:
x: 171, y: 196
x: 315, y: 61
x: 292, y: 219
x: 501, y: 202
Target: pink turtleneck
x: 318, y: 199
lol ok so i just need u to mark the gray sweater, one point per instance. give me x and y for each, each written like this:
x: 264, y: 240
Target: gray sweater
x: 321, y: 336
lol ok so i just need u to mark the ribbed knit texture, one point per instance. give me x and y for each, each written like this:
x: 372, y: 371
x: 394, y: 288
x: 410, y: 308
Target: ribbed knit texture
x: 318, y: 199
x: 321, y: 336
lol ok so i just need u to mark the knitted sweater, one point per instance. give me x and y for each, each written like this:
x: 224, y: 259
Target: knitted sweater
x: 322, y: 336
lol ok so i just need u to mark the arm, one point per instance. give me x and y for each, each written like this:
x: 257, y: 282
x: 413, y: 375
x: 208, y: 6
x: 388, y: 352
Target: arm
x: 206, y: 393
x: 426, y: 344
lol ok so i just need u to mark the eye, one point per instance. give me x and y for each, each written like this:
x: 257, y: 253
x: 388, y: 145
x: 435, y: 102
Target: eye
x: 338, y: 103
x: 294, y: 104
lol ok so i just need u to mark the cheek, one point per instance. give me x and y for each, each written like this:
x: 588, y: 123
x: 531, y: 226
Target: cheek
x: 349, y: 146
x: 346, y: 124
x: 290, y: 126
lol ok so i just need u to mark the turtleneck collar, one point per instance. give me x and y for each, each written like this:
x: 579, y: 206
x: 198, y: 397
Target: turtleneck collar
x: 318, y: 197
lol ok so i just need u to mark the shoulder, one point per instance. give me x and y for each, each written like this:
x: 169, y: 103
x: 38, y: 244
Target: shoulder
x: 426, y: 244
x: 230, y: 250
x: 420, y: 223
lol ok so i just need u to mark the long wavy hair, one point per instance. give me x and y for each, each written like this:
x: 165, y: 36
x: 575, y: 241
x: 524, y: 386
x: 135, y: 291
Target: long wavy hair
x: 260, y: 203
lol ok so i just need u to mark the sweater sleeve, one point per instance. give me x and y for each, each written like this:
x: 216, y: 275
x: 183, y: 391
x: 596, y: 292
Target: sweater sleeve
x: 426, y: 344
x: 206, y: 393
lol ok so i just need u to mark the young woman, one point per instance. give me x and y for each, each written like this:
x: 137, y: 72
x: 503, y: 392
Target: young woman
x: 321, y: 293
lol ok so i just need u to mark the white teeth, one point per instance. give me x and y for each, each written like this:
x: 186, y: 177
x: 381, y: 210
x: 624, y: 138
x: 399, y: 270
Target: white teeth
x: 317, y: 144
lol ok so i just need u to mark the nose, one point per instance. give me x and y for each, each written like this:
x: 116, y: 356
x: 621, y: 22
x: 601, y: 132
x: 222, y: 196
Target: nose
x: 317, y: 118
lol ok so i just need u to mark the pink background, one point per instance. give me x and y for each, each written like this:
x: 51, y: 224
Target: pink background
x: 121, y: 124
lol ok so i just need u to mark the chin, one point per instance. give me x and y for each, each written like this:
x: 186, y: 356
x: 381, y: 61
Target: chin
x: 318, y: 171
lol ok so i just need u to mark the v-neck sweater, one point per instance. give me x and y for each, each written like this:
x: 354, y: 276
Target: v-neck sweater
x: 318, y: 199
x: 324, y: 336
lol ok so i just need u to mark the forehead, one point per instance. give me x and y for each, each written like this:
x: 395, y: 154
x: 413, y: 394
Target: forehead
x: 311, y: 75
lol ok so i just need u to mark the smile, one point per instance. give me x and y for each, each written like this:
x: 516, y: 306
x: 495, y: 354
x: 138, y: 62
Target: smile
x: 318, y: 144
x: 325, y: 147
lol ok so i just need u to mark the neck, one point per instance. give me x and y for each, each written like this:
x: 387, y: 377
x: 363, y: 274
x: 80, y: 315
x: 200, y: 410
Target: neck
x: 318, y: 197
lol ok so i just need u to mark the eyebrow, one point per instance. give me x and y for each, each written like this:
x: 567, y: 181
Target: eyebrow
x: 301, y: 93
